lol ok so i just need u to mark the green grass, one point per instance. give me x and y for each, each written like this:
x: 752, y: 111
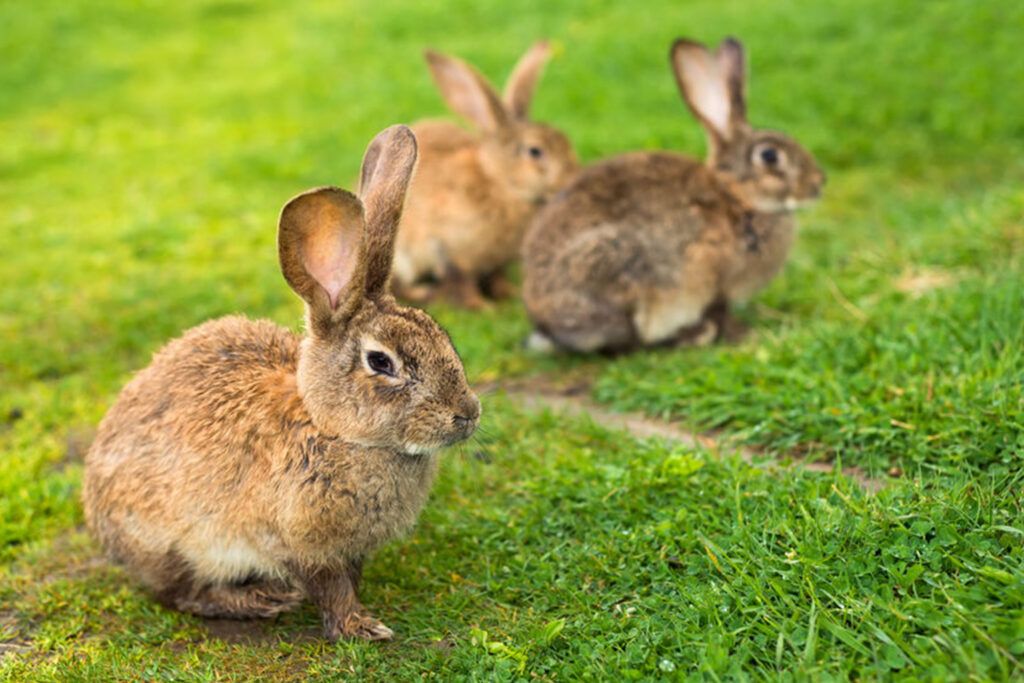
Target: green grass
x: 149, y: 146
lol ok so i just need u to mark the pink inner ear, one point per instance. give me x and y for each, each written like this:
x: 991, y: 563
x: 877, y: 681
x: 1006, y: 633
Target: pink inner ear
x: 331, y: 251
x: 708, y: 89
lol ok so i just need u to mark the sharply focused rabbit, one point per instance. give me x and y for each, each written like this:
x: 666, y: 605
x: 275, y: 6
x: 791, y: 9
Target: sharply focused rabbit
x: 247, y: 465
x: 475, y: 193
x: 650, y: 248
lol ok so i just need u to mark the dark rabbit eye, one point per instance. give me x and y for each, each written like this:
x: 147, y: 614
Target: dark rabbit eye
x: 770, y: 156
x: 380, y: 363
x: 535, y: 152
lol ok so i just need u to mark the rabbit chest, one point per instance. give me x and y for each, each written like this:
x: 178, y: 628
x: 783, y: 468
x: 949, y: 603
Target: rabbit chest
x: 487, y: 235
x: 762, y: 245
x: 348, y: 500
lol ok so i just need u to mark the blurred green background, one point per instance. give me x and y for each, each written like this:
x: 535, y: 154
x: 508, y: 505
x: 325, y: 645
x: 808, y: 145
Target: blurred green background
x: 148, y: 147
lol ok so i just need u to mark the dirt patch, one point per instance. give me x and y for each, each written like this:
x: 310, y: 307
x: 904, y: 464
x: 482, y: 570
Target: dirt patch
x: 13, y: 415
x: 570, y: 396
x: 72, y: 555
x: 918, y: 282
x: 12, y: 641
x: 13, y: 648
x: 573, y: 382
x: 257, y: 631
x: 247, y: 632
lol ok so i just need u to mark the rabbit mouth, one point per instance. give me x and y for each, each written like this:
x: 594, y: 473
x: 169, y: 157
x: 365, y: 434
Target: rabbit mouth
x: 464, y: 431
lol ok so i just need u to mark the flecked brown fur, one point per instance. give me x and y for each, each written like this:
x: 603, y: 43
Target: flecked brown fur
x: 247, y: 463
x: 641, y: 248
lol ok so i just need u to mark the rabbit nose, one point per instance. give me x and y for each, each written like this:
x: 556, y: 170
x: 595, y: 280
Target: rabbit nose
x: 469, y: 412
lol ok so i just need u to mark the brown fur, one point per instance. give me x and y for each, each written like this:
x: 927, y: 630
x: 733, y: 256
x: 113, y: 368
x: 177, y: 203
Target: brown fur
x: 649, y: 248
x: 246, y: 459
x: 475, y: 192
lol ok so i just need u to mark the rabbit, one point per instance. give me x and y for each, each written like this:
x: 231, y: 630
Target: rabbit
x: 248, y: 466
x: 475, y: 192
x: 651, y: 248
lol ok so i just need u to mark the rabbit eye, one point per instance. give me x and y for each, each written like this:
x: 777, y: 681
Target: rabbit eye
x: 770, y: 156
x: 380, y: 363
x: 535, y: 152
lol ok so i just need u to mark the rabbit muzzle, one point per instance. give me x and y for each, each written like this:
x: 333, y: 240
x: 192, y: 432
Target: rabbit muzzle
x: 465, y: 422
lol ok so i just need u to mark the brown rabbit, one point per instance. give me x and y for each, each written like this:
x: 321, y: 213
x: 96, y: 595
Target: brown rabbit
x: 247, y: 465
x: 650, y: 248
x: 475, y: 193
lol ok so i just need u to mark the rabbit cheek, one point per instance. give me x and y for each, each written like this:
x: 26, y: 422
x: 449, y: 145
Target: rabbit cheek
x: 432, y: 427
x: 811, y: 184
x: 768, y: 191
x: 552, y: 176
x: 562, y: 166
x: 421, y: 432
x: 377, y: 407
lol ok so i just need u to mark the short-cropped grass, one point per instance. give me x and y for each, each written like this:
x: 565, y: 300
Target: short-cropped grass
x: 147, y: 148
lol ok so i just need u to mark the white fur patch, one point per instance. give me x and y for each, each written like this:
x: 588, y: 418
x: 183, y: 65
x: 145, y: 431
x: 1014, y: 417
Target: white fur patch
x: 540, y: 343
x: 211, y: 555
x: 657, y: 320
x: 418, y: 449
x: 225, y: 559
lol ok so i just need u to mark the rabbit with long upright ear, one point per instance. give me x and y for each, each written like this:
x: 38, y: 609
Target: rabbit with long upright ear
x: 248, y: 466
x: 475, y: 192
x: 651, y: 248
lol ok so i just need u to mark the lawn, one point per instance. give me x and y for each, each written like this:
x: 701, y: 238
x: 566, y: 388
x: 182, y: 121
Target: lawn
x: 148, y: 147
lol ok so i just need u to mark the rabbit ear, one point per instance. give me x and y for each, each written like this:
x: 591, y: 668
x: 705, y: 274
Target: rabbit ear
x: 733, y: 63
x: 319, y: 244
x: 519, y: 88
x: 713, y: 85
x: 387, y: 169
x: 466, y: 92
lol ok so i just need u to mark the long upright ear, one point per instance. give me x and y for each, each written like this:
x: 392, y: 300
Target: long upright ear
x: 387, y: 169
x: 713, y: 85
x: 319, y: 240
x: 521, y: 84
x: 467, y: 92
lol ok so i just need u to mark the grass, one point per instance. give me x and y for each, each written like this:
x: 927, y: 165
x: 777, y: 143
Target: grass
x: 149, y: 147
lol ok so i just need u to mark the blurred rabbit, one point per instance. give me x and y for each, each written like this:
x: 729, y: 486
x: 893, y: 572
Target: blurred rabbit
x: 247, y: 465
x: 651, y: 248
x: 475, y: 192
